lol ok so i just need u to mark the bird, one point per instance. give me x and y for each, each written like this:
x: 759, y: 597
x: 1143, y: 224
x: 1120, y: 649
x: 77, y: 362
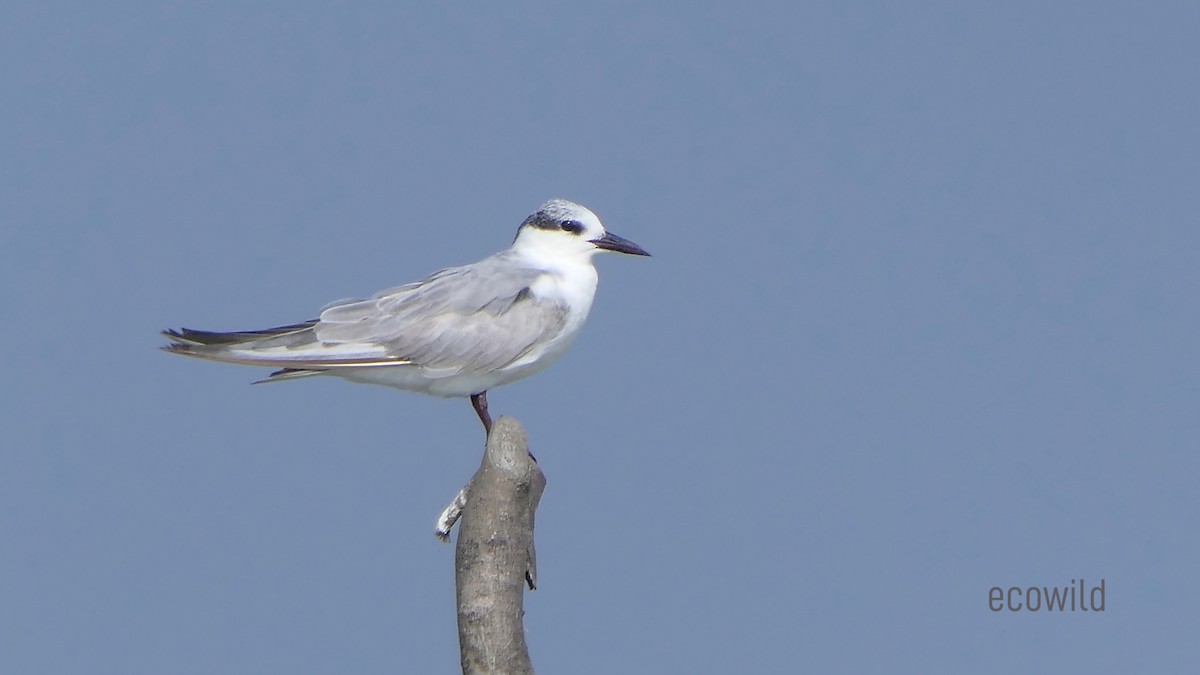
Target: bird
x: 459, y: 332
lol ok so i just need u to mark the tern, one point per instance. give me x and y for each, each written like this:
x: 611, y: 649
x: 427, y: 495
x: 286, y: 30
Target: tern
x: 456, y: 333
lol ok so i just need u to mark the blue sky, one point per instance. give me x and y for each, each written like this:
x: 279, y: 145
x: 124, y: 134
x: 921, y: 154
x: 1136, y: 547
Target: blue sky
x: 920, y: 321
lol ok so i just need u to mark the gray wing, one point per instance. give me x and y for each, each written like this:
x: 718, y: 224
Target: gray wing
x: 479, y: 318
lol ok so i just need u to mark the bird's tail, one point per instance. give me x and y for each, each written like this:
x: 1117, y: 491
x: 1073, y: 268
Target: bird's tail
x: 295, y: 348
x: 213, y: 345
x: 255, y: 347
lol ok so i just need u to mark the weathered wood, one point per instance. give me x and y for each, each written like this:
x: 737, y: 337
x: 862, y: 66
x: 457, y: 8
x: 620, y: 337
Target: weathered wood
x: 495, y: 557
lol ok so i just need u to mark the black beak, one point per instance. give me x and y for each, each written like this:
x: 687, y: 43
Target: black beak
x: 611, y: 242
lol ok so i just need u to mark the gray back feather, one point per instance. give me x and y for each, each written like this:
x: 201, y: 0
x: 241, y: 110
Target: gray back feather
x: 479, y: 317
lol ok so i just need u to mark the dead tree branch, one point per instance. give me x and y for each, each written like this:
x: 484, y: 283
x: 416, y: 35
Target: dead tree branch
x: 494, y: 558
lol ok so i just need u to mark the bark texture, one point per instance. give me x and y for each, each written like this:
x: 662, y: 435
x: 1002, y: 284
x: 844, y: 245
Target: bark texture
x: 494, y: 557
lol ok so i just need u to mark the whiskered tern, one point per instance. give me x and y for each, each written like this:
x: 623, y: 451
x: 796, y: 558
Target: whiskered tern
x: 458, y: 332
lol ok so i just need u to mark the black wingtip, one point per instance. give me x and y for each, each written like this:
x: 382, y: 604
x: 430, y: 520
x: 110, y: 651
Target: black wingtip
x: 179, y: 344
x: 208, y: 338
x: 184, y: 335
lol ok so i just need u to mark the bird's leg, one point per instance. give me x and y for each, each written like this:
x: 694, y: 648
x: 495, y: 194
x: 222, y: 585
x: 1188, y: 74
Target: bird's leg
x: 480, y: 402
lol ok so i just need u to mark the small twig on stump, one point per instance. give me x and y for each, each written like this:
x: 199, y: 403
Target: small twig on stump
x: 494, y: 558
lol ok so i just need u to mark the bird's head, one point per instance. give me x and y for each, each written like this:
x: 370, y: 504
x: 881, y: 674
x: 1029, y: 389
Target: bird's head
x: 563, y: 228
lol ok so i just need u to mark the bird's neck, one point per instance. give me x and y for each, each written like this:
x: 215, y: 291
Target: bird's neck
x: 564, y: 277
x: 555, y: 261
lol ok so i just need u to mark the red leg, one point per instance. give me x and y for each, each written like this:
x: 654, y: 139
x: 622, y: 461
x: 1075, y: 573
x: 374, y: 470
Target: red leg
x: 479, y: 401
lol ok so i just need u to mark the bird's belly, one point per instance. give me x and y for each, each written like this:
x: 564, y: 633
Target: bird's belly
x: 411, y: 377
x: 415, y: 378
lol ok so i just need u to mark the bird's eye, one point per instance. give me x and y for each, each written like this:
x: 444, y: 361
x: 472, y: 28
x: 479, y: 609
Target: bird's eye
x: 572, y: 226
